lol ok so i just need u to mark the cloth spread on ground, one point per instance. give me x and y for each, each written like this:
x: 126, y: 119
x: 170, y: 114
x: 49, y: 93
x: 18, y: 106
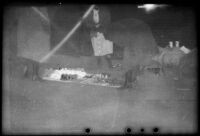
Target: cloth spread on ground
x: 101, y: 46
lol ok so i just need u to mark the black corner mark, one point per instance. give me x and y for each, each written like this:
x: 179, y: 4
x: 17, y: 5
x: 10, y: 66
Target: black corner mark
x: 87, y: 130
x: 128, y: 130
x: 142, y: 130
x: 156, y: 130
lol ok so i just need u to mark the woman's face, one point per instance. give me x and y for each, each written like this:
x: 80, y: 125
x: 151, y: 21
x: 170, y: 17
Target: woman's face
x: 96, y: 16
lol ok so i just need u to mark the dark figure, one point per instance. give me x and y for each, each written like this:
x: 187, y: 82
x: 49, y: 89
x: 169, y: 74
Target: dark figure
x: 24, y: 67
x: 131, y: 77
x: 138, y: 42
x: 31, y: 70
x: 188, y: 65
x: 133, y: 35
x: 13, y: 64
x: 98, y: 21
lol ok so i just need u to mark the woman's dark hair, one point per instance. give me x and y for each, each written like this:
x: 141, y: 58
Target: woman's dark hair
x: 96, y: 8
x: 105, y: 17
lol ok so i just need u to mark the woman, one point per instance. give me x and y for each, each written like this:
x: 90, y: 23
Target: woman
x: 98, y: 22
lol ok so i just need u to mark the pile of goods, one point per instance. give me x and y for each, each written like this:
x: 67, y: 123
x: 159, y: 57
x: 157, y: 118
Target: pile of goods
x: 79, y: 75
x: 171, y: 55
x: 100, y: 78
x: 65, y: 74
x: 103, y: 79
x: 68, y: 77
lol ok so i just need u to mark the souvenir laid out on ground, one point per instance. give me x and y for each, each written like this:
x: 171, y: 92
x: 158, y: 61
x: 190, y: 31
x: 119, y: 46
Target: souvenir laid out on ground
x: 102, y: 79
x: 79, y: 75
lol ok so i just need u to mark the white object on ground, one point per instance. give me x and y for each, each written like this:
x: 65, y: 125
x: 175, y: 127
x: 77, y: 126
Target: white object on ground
x: 171, y: 44
x: 177, y: 44
x: 48, y: 72
x: 185, y: 50
x: 57, y: 73
x: 56, y: 76
x: 101, y: 46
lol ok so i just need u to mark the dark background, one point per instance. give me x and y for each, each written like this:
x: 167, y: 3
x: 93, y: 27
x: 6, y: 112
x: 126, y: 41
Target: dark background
x: 173, y: 23
x: 167, y: 24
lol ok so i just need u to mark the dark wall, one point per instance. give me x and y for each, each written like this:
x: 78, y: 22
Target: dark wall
x: 63, y: 19
x: 10, y: 31
x: 169, y: 24
x: 33, y: 34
